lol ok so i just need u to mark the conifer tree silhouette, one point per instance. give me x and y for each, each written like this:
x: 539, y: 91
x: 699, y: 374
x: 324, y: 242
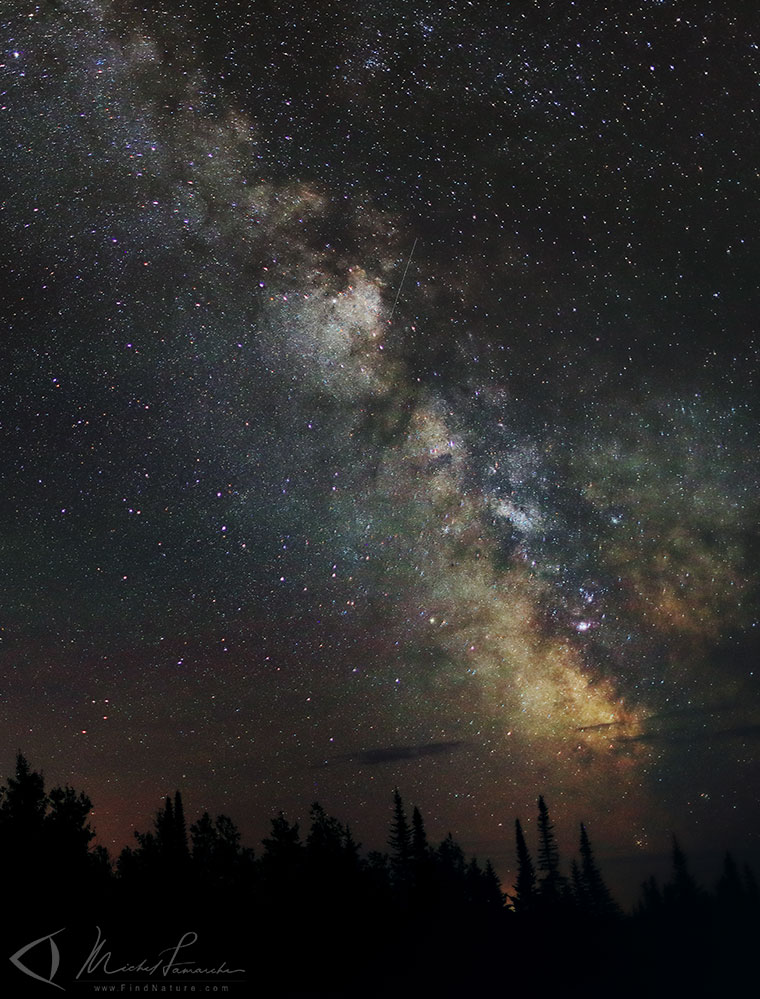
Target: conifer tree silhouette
x: 377, y: 872
x: 597, y: 899
x: 524, y: 897
x: 422, y: 863
x: 170, y: 837
x: 66, y: 837
x: 23, y: 804
x: 45, y: 840
x: 162, y: 854
x: 22, y: 811
x: 452, y: 873
x: 354, y: 910
x: 491, y: 893
x: 101, y: 866
x: 400, y: 842
x: 351, y: 848
x: 325, y: 842
x: 284, y: 843
x: 217, y: 855
x: 551, y: 881
x: 332, y: 861
x: 181, y: 846
x: 682, y: 892
x: 578, y: 887
x: 282, y: 861
x: 420, y: 849
x: 203, y: 839
x: 164, y: 828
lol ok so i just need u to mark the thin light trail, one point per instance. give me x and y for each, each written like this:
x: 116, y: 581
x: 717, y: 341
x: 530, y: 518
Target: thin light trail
x: 403, y: 278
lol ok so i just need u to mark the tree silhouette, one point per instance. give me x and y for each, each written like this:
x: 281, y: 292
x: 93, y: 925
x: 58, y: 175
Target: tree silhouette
x: 284, y: 844
x: 339, y: 910
x: 332, y: 858
x: 217, y: 855
x: 204, y: 839
x: 524, y: 897
x: 326, y: 840
x: 400, y: 842
x: 420, y: 850
x: 282, y: 860
x: 68, y: 818
x: 162, y: 854
x: 451, y: 873
x: 351, y: 848
x: 45, y: 844
x: 180, y: 843
x: 551, y: 881
x: 67, y: 835
x: 596, y: 898
x: 22, y: 809
x: 101, y: 866
x: 682, y: 892
x: 484, y: 892
x: 423, y: 864
x: 578, y: 887
x: 490, y: 891
x: 377, y: 871
x: 170, y: 835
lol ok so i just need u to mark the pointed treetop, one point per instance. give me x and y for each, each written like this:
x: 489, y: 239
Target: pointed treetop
x: 595, y: 894
x: 525, y: 885
x: 399, y: 840
x: 420, y: 846
x: 548, y: 853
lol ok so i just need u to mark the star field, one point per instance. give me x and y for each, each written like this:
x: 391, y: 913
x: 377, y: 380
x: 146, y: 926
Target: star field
x: 378, y: 409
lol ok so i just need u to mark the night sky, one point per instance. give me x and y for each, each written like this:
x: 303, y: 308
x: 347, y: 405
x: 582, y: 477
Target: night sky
x: 378, y: 408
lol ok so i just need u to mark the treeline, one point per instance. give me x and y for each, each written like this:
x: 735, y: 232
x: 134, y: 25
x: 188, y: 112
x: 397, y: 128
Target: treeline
x: 311, y: 913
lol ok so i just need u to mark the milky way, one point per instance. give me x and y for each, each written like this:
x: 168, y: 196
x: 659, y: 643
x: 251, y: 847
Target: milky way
x: 377, y: 411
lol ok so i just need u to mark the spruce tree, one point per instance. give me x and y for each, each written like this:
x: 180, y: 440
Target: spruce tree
x: 283, y: 846
x: 524, y: 898
x: 67, y: 834
x: 578, y: 888
x: 400, y: 841
x: 204, y: 844
x: 493, y: 896
x: 164, y: 831
x: 451, y: 873
x: 282, y: 863
x: 422, y: 863
x: 351, y: 849
x: 325, y: 842
x: 44, y: 838
x: 551, y: 882
x: 420, y: 848
x: 181, y: 846
x: 22, y: 808
x: 216, y: 851
x: 597, y: 898
x: 682, y: 891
